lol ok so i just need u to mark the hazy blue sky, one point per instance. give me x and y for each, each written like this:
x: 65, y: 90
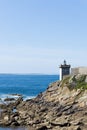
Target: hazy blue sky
x: 37, y: 35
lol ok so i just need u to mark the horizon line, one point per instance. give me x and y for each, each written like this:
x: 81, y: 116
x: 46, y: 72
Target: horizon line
x: 27, y: 74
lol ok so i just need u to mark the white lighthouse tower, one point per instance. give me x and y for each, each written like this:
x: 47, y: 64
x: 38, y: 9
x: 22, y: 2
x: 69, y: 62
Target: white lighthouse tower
x: 64, y: 70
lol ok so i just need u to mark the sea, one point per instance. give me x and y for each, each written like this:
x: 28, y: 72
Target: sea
x: 29, y: 86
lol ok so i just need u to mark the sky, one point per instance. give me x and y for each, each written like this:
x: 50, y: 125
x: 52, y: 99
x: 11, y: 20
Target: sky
x: 36, y: 36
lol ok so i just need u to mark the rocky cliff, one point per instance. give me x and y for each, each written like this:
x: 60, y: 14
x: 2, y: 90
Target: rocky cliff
x: 63, y: 106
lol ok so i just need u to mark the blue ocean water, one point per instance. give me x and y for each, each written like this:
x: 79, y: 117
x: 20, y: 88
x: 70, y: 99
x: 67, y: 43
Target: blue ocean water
x: 27, y: 85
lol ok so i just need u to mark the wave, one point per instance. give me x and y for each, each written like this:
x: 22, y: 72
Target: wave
x: 28, y: 97
x: 15, y: 96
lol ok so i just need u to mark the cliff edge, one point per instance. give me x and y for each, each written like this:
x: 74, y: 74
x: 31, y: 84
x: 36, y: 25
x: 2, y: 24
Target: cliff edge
x: 63, y: 106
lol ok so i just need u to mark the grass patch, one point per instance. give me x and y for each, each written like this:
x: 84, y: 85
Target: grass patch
x: 80, y: 82
x: 77, y: 82
x: 81, y: 85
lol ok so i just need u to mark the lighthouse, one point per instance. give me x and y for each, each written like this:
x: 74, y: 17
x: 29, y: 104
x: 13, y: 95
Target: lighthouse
x: 64, y: 70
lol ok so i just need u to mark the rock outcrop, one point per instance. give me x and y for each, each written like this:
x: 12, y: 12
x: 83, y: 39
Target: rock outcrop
x: 63, y: 106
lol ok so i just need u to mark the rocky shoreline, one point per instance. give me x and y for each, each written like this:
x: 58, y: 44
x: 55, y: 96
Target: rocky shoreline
x: 60, y: 107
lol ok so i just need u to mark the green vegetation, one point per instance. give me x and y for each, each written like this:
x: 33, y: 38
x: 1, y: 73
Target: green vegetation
x: 75, y: 82
x: 80, y: 82
x: 82, y: 85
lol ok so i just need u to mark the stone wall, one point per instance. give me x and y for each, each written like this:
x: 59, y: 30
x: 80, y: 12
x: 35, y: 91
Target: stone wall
x: 79, y: 70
